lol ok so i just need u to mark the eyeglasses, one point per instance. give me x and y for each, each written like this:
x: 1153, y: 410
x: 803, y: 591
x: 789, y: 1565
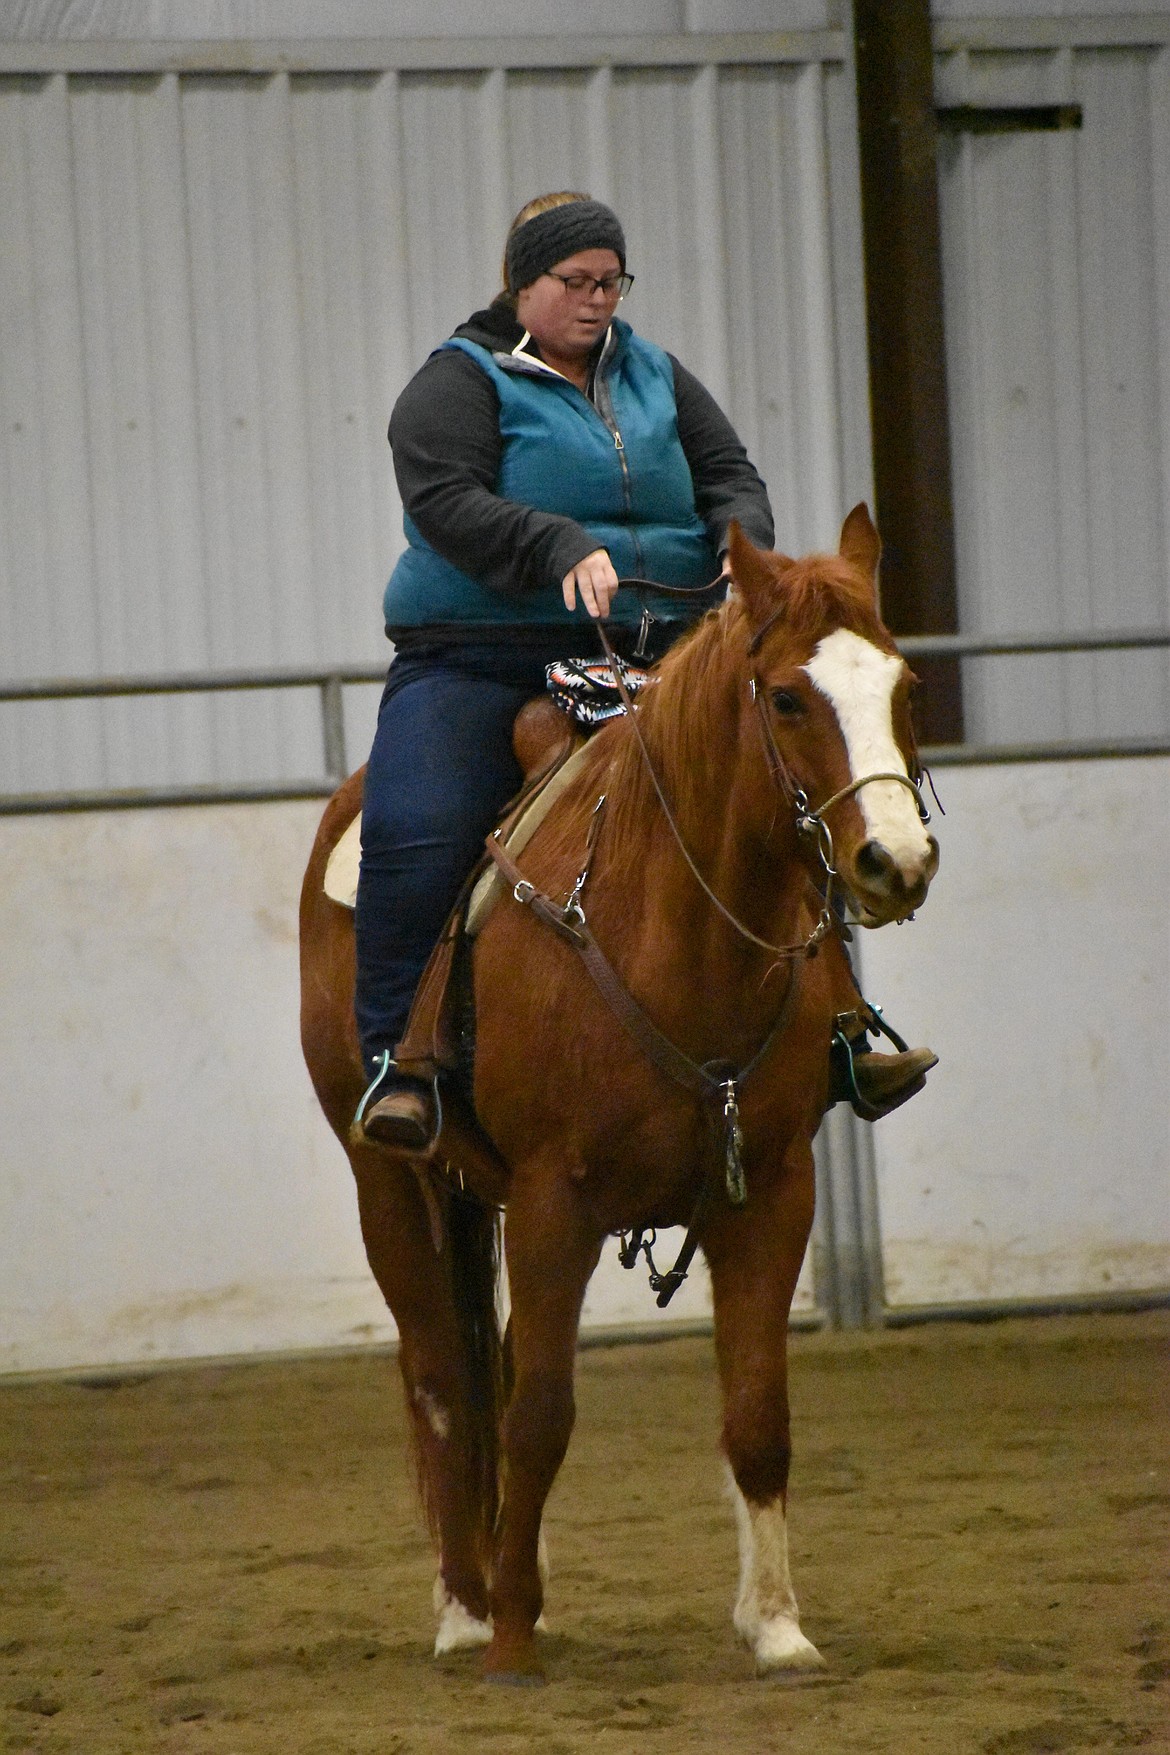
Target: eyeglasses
x: 612, y: 285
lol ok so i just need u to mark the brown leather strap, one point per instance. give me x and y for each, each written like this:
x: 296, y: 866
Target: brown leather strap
x: 657, y: 1047
x: 710, y: 1083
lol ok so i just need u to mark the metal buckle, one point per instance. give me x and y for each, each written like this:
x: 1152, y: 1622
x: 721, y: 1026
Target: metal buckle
x: 524, y: 891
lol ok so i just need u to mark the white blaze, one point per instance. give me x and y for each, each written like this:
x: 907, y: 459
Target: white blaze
x: 859, y: 681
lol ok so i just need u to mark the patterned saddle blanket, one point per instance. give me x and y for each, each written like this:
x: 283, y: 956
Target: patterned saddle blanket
x: 584, y: 688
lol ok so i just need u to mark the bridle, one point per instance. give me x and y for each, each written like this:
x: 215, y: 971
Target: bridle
x: 810, y: 822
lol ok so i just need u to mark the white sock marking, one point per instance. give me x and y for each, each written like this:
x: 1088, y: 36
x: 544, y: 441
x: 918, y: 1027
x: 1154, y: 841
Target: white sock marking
x: 765, y: 1615
x: 459, y: 1629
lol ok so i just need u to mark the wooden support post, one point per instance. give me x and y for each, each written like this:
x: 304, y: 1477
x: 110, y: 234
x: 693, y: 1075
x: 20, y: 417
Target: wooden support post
x: 907, y: 363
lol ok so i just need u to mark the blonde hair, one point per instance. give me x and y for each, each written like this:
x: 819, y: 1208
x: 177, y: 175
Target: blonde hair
x: 530, y: 209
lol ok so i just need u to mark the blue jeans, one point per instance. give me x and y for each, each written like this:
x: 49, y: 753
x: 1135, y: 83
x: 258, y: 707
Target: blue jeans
x: 440, y: 773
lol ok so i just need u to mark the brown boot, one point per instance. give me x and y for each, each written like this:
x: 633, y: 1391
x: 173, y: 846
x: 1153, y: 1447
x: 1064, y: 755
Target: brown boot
x: 405, y: 1119
x: 396, y: 1112
x: 885, y: 1080
x: 874, y: 1084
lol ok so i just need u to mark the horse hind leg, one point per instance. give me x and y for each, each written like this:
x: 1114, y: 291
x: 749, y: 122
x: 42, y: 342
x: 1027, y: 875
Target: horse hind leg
x: 458, y: 1629
x: 449, y: 1356
x: 472, y: 1238
x: 551, y: 1253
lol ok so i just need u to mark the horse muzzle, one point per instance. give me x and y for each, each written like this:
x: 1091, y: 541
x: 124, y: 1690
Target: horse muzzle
x: 889, y: 886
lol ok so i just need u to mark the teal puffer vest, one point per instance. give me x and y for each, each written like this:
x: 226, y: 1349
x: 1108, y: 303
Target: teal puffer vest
x: 562, y: 456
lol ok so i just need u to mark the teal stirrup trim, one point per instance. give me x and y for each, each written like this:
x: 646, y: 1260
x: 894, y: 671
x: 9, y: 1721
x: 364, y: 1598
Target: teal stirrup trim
x: 383, y: 1068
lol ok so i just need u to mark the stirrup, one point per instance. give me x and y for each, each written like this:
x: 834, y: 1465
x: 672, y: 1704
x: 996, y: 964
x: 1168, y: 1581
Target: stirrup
x: 380, y: 1087
x: 843, y: 1049
x: 371, y: 1093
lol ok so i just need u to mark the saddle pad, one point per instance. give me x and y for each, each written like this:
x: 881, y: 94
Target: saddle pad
x: 492, y: 885
x: 341, y: 871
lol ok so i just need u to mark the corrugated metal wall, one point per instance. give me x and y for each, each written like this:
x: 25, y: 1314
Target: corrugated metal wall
x: 212, y: 287
x: 1057, y: 289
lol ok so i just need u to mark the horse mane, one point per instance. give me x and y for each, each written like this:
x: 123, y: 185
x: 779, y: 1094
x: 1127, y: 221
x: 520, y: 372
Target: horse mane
x: 676, y: 715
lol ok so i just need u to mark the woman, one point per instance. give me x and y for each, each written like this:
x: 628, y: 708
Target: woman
x: 542, y: 452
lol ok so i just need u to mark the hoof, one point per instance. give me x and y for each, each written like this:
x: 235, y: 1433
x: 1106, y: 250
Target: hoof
x: 782, y: 1651
x: 514, y: 1663
x: 459, y: 1629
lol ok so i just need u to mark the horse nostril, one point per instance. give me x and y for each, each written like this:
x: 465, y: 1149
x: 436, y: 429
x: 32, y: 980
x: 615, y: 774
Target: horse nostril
x: 875, y: 864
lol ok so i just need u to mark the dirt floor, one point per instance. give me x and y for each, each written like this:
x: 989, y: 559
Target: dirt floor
x: 229, y: 1560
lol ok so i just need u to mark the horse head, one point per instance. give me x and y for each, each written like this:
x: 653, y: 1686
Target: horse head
x: 832, y: 696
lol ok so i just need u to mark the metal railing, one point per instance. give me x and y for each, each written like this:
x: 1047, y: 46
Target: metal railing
x: 331, y: 681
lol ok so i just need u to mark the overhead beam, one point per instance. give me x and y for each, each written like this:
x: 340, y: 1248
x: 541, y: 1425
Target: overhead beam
x: 416, y: 54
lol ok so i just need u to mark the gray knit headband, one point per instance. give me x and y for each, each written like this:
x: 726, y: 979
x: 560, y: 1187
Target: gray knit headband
x: 559, y: 233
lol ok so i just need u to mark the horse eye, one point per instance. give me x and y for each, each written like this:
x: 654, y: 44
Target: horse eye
x: 786, y: 703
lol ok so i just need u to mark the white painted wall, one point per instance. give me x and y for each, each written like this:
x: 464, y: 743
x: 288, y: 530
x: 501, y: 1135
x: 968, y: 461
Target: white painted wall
x: 1037, y: 1161
x: 168, y: 1188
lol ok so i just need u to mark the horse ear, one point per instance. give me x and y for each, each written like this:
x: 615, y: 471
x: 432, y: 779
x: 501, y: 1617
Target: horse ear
x: 861, y: 545
x: 754, y: 573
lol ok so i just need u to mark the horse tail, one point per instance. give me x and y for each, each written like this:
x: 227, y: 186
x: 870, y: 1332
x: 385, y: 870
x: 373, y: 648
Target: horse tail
x: 473, y: 1238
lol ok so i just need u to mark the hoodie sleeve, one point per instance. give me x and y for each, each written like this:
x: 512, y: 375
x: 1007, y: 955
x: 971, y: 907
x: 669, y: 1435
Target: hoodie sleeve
x: 445, y: 439
x: 727, y: 485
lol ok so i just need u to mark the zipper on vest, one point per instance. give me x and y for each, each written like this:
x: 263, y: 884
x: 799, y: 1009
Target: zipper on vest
x: 603, y: 403
x: 627, y: 493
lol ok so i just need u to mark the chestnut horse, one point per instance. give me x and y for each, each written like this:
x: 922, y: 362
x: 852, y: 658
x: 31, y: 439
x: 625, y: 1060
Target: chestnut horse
x: 783, y: 709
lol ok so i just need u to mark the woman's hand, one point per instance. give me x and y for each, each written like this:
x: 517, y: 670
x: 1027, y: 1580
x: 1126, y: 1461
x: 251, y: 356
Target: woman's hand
x: 597, y: 582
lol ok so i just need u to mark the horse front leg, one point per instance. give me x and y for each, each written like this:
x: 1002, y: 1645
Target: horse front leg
x: 754, y: 1254
x: 453, y: 1422
x: 551, y: 1254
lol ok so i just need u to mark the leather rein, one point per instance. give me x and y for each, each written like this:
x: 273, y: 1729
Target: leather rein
x: 716, y: 1083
